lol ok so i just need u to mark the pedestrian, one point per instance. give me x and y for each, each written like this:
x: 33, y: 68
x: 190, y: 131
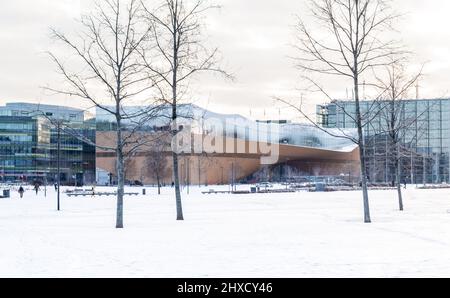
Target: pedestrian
x: 21, y: 191
x: 56, y: 186
x: 36, y: 188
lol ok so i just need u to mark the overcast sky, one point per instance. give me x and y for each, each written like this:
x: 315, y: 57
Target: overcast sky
x: 254, y: 37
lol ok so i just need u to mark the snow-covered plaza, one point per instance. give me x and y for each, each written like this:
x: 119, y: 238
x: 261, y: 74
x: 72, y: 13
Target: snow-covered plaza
x: 258, y: 235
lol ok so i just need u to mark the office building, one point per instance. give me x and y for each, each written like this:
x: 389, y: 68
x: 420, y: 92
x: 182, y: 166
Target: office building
x: 424, y: 132
x: 29, y: 142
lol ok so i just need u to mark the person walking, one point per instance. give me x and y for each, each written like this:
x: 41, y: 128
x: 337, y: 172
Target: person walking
x: 36, y: 188
x: 21, y: 191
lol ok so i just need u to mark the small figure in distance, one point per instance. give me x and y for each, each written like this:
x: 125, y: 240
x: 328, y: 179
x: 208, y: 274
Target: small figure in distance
x: 36, y: 188
x: 21, y: 191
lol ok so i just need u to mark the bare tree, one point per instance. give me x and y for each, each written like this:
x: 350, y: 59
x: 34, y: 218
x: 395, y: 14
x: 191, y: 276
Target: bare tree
x: 129, y: 167
x: 395, y: 88
x: 351, y: 46
x: 104, y: 67
x: 156, y: 165
x: 179, y: 55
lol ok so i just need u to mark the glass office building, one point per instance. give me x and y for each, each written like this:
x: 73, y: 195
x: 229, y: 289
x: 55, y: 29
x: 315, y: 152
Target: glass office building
x: 24, y: 148
x: 29, y: 144
x: 425, y: 136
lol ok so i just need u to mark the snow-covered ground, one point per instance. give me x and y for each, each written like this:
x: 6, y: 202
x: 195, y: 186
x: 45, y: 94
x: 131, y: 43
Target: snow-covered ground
x: 283, y: 235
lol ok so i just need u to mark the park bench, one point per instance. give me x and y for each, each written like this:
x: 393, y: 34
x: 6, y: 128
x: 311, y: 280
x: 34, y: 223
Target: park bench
x: 269, y: 191
x: 98, y: 194
x: 215, y: 192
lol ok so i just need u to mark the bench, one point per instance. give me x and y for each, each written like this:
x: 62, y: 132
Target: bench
x: 279, y: 191
x: 215, y: 192
x: 99, y: 194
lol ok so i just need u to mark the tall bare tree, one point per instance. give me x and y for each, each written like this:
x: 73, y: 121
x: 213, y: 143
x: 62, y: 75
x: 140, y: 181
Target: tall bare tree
x: 350, y: 45
x: 180, y: 54
x: 395, y: 86
x: 104, y: 66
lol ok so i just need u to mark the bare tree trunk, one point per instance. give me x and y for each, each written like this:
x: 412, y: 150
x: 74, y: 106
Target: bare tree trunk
x: 398, y: 170
x: 399, y: 187
x: 120, y: 178
x: 364, y: 187
x: 175, y: 61
x: 177, y: 186
x: 159, y: 184
x: 176, y: 172
x: 424, y: 171
x: 362, y: 152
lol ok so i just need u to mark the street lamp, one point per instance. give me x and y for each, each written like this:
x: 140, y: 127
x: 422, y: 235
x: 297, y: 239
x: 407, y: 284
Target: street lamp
x: 58, y: 123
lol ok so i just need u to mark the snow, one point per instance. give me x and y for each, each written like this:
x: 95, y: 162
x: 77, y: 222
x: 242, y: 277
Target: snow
x: 258, y: 235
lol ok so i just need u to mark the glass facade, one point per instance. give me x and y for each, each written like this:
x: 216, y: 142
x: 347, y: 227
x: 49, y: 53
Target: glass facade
x: 425, y: 136
x: 24, y: 148
x: 29, y: 142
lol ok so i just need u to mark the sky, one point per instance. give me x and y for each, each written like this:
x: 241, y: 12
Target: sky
x: 255, y: 38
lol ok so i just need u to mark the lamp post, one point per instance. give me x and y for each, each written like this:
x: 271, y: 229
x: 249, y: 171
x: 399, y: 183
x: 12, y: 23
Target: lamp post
x: 58, y: 124
x: 188, y: 173
x: 45, y: 185
x: 286, y: 173
x: 3, y: 170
